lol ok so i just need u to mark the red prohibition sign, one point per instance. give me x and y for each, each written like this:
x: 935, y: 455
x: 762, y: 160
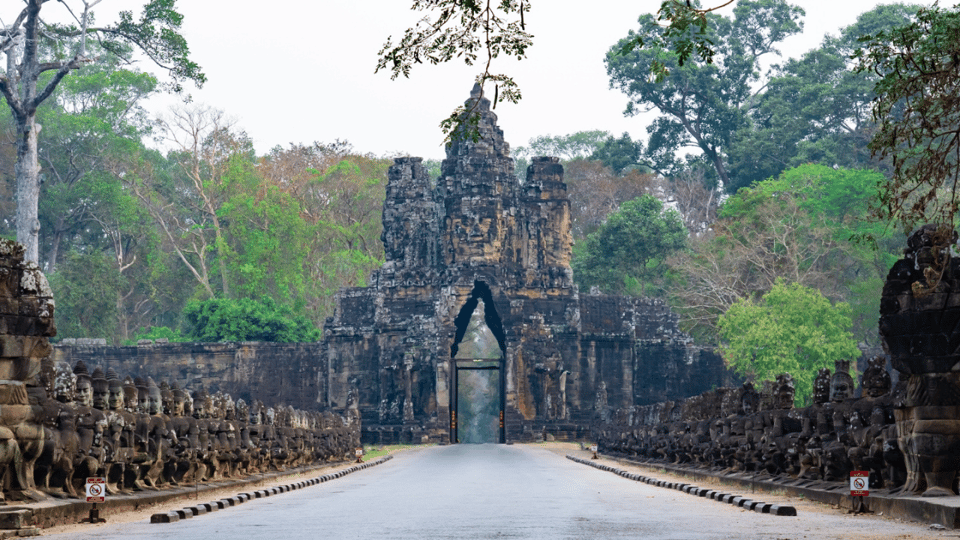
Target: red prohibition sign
x: 859, y: 483
x: 96, y: 490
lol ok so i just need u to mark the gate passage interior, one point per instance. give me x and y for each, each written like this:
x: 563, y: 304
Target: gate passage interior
x: 470, y: 366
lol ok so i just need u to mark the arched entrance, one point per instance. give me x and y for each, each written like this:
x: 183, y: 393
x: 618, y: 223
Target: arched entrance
x: 477, y: 371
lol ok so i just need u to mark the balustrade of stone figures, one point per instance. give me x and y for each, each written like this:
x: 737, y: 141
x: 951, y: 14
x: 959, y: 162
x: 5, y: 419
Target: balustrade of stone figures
x: 740, y: 430
x: 141, y: 435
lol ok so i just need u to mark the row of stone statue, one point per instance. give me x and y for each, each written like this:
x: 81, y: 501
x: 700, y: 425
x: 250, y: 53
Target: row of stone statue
x: 743, y: 430
x: 140, y: 435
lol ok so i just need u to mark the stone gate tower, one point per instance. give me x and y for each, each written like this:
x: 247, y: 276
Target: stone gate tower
x: 478, y: 233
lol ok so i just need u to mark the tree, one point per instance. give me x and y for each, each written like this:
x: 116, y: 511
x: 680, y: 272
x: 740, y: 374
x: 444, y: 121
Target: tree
x: 800, y: 227
x: 702, y: 104
x: 221, y: 319
x: 92, y: 123
x: 619, y: 154
x: 627, y: 253
x: 27, y: 80
x: 792, y: 329
x: 86, y: 288
x: 816, y: 109
x: 595, y: 192
x: 569, y: 147
x: 461, y: 28
x: 917, y: 111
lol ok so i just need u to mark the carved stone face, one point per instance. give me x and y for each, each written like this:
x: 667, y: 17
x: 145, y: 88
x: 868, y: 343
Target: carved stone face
x: 115, y: 399
x: 84, y: 392
x: 841, y: 387
x: 101, y: 396
x: 785, y: 396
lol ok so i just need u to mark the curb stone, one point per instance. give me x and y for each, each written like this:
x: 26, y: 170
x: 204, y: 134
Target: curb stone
x: 735, y: 500
x: 191, y: 511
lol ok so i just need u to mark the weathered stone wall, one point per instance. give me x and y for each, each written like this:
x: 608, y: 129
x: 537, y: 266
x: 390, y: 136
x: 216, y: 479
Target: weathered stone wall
x: 275, y: 373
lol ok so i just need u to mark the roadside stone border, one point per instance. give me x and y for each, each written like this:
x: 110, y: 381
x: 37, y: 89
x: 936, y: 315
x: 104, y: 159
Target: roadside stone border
x: 213, y: 506
x: 736, y: 500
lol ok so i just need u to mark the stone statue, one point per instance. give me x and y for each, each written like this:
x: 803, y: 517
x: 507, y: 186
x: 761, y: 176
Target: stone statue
x: 821, y: 387
x: 841, y: 383
x: 784, y: 391
x: 876, y: 380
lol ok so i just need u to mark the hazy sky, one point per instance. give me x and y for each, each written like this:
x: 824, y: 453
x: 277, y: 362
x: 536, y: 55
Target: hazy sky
x: 302, y: 71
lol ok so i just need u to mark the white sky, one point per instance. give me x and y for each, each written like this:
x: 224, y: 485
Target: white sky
x: 292, y: 71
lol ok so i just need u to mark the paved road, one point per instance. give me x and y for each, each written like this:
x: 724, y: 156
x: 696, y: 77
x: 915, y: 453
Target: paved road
x: 485, y: 491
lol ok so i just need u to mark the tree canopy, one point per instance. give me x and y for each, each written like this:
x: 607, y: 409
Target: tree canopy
x: 917, y: 112
x: 626, y: 254
x: 791, y: 329
x: 702, y: 104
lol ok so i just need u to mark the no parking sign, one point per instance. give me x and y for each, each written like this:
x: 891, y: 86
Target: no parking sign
x: 859, y: 483
x: 96, y: 489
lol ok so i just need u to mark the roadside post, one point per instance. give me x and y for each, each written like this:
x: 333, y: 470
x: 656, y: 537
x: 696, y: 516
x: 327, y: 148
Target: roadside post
x: 594, y: 449
x: 359, y: 454
x: 859, y: 488
x: 96, y: 493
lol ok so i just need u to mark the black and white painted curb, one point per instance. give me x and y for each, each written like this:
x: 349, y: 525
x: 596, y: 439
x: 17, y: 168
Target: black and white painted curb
x: 213, y: 506
x: 736, y: 500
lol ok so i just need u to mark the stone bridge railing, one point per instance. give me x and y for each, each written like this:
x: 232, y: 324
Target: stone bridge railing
x: 60, y: 424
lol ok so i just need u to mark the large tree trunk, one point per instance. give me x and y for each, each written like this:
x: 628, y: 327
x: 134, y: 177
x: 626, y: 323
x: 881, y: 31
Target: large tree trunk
x: 27, y: 172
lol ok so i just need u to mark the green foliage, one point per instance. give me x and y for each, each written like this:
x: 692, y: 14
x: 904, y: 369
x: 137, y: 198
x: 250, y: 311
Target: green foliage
x: 792, y: 329
x: 626, y: 254
x: 221, y: 319
x: 86, y: 289
x: 568, y: 147
x: 701, y: 104
x: 803, y: 226
x: 461, y: 29
x: 816, y: 109
x: 158, y: 332
x: 619, y: 154
x: 918, y: 115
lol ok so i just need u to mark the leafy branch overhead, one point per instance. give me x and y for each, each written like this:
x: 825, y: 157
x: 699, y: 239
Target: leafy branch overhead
x: 918, y: 115
x: 467, y: 29
x: 482, y: 30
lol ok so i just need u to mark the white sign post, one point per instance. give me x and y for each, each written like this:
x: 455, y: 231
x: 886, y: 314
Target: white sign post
x: 359, y: 454
x: 96, y: 493
x: 859, y: 488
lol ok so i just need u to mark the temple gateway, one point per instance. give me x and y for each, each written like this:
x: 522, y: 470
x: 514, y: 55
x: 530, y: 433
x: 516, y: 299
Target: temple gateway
x: 477, y: 236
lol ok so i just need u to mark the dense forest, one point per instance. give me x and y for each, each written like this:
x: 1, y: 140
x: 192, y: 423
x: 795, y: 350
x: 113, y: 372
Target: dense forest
x: 754, y: 197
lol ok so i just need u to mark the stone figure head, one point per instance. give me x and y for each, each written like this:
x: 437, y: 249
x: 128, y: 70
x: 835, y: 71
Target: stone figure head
x: 243, y: 410
x: 876, y: 380
x: 841, y: 383
x: 821, y: 387
x: 749, y: 399
x: 64, y: 383
x: 785, y: 390
x: 115, y: 388
x: 199, y: 398
x: 101, y: 389
x: 48, y: 375
x: 84, y: 395
x: 154, y: 397
x: 131, y: 397
x: 178, y: 398
x: 143, y: 395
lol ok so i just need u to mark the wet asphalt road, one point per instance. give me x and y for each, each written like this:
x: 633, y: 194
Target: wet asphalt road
x: 473, y: 491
